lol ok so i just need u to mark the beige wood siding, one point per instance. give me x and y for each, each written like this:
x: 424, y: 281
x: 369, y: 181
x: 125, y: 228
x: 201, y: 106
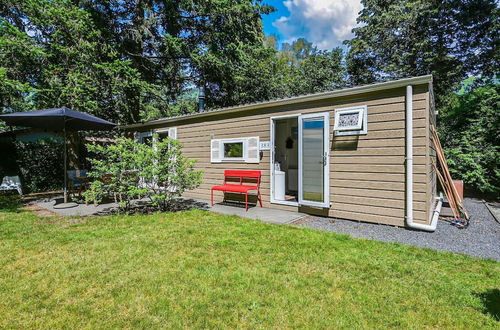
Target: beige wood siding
x: 367, y: 173
x: 431, y: 156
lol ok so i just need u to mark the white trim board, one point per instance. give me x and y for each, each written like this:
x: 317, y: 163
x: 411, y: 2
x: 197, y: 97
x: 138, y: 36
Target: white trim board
x: 271, y: 160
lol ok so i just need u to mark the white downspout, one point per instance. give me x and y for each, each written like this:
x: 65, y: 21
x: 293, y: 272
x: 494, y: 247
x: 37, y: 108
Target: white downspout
x: 409, y: 171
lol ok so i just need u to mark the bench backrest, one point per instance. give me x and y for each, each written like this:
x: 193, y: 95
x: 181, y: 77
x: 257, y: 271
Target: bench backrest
x: 11, y: 181
x: 241, y: 176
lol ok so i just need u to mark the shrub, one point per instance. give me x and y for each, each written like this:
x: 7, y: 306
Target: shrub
x: 132, y: 170
x: 41, y: 164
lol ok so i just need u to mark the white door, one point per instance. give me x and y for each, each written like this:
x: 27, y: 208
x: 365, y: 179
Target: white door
x: 314, y: 179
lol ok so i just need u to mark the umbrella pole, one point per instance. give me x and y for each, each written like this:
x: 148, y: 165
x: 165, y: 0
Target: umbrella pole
x: 65, y: 205
x: 65, y: 168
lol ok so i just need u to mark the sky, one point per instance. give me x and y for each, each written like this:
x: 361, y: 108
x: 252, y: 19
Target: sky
x: 326, y: 23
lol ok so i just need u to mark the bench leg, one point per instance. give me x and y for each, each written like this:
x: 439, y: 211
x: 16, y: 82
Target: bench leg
x: 246, y: 202
x: 259, y: 197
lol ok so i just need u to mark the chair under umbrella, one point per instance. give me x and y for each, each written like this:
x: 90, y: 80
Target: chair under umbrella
x: 58, y: 119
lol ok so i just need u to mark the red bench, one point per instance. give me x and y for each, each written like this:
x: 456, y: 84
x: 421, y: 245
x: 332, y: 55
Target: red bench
x: 240, y: 182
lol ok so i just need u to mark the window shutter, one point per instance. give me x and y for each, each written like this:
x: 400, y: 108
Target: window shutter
x: 172, y: 133
x: 253, y: 154
x: 215, y: 151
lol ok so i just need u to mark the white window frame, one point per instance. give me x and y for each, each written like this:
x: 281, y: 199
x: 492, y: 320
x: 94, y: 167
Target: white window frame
x: 171, y: 132
x: 360, y: 129
x: 162, y: 131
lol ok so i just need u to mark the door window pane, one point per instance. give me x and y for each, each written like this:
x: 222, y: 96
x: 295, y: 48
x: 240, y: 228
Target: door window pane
x: 313, y: 159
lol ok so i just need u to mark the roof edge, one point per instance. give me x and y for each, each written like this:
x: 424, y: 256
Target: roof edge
x: 419, y: 80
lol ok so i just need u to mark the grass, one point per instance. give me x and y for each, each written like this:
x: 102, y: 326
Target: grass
x: 205, y: 270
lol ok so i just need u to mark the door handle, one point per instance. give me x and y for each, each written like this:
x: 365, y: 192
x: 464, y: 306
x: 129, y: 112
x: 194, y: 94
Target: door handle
x: 323, y: 161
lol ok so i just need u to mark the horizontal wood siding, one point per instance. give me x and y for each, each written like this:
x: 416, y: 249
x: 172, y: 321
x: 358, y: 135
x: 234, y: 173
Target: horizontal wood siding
x: 376, y: 192
x: 367, y: 172
x: 431, y: 156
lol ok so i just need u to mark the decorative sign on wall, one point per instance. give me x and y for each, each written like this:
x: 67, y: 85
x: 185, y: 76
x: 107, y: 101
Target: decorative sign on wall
x: 265, y: 145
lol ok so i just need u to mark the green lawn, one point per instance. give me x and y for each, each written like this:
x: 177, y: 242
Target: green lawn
x: 205, y: 270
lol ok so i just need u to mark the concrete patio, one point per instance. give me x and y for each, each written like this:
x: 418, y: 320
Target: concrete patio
x: 257, y: 213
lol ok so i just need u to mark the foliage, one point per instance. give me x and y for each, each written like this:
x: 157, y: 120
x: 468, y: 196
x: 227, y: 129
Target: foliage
x: 321, y: 71
x: 124, y: 61
x: 233, y: 149
x: 450, y: 39
x: 54, y: 55
x: 19, y: 60
x: 294, y: 69
x: 8, y: 161
x: 165, y: 172
x: 96, y: 192
x: 41, y: 164
x: 132, y: 170
x: 469, y: 129
x: 114, y: 170
x: 200, y: 269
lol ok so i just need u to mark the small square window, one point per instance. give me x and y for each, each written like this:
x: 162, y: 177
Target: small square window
x: 350, y: 121
x: 166, y: 133
x: 146, y: 138
x: 162, y: 135
x: 233, y: 149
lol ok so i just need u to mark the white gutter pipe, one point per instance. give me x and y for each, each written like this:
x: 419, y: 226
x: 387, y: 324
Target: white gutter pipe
x: 409, y: 171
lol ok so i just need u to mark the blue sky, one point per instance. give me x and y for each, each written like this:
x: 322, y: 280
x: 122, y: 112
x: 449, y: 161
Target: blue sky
x: 269, y: 19
x: 326, y: 23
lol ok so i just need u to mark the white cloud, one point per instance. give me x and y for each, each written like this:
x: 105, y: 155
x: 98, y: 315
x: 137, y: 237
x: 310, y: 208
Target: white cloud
x: 326, y: 23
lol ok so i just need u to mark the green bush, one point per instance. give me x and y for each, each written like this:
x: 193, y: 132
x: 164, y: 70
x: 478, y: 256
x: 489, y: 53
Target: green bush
x: 41, y: 164
x: 132, y: 170
x: 469, y: 130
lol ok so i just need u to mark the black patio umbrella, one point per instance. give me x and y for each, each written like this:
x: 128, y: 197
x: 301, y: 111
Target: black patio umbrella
x: 58, y: 119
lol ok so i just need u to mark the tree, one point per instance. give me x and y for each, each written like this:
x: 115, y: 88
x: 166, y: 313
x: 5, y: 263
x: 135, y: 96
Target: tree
x: 54, y: 56
x: 135, y: 60
x: 19, y: 60
x: 471, y: 139
x: 450, y: 39
x: 296, y: 68
x: 179, y: 44
x: 320, y: 71
x: 125, y: 61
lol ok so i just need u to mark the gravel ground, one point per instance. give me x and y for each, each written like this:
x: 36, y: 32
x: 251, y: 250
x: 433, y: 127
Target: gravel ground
x: 481, y: 239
